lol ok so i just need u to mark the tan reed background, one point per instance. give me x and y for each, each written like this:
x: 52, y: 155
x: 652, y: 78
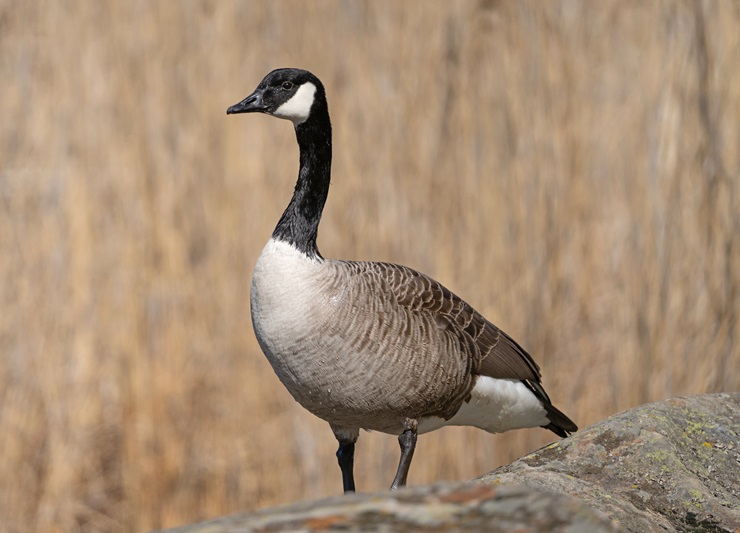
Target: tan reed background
x: 571, y: 168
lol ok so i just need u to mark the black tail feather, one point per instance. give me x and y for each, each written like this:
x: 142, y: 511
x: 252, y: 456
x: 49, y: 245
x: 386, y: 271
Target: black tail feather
x: 559, y: 424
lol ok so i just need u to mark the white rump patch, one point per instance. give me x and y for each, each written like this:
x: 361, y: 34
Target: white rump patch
x: 298, y: 107
x: 496, y: 405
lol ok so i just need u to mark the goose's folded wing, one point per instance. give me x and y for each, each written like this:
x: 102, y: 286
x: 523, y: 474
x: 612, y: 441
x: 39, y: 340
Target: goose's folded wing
x: 495, y: 354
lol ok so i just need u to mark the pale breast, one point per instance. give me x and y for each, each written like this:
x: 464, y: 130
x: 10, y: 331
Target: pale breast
x: 295, y: 302
x: 289, y: 300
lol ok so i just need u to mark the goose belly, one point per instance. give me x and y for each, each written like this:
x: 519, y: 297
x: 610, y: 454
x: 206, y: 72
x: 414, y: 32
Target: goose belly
x: 328, y: 350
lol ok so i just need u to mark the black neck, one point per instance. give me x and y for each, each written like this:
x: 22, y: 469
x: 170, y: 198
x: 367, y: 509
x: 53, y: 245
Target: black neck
x: 300, y: 221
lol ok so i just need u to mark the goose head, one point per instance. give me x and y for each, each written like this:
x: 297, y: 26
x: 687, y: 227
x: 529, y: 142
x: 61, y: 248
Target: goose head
x: 286, y: 93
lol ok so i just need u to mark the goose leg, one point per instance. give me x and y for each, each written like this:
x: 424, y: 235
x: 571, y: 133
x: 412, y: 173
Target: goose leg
x: 346, y: 455
x: 346, y: 459
x: 407, y: 440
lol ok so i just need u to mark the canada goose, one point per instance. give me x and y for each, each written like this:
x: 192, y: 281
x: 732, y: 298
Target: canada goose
x: 376, y: 346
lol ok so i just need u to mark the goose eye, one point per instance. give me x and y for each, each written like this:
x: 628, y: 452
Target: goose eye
x: 287, y: 85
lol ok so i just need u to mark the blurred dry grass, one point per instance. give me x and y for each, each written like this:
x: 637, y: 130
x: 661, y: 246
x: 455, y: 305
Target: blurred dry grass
x: 570, y: 168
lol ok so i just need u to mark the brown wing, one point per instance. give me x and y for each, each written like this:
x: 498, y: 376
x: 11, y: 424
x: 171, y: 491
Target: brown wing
x: 491, y: 352
x: 495, y: 354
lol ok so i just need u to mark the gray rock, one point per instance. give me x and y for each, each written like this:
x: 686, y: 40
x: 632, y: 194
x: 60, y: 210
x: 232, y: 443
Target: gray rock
x: 467, y: 507
x: 668, y: 466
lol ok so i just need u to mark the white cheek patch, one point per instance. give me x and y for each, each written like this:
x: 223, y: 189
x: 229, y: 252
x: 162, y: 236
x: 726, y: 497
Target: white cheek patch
x: 298, y: 107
